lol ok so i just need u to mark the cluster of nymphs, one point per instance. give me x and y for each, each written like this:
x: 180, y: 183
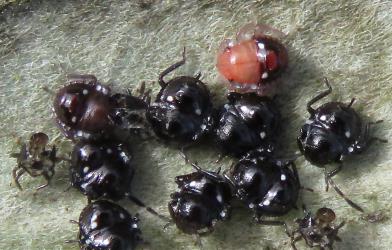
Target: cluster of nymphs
x: 246, y: 127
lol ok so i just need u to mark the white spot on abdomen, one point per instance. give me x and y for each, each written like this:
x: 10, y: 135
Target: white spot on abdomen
x: 94, y: 217
x: 219, y: 198
x: 86, y: 169
x: 233, y: 60
x: 266, y: 203
x: 94, y: 225
x: 244, y: 109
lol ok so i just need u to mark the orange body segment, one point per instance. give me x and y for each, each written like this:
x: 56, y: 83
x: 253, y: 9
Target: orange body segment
x: 240, y: 63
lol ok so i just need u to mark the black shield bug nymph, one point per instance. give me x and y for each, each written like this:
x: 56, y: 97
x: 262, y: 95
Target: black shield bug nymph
x: 204, y: 198
x: 246, y: 122
x: 268, y: 186
x: 83, y: 107
x: 86, y: 110
x: 104, y: 225
x: 182, y: 111
x: 333, y: 131
x: 102, y: 169
x: 35, y: 159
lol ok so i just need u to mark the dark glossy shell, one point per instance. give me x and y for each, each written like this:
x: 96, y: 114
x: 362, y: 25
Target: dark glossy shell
x: 340, y: 119
x: 105, y: 225
x: 102, y: 170
x: 266, y: 185
x: 274, y: 67
x: 201, y: 201
x: 83, y: 110
x: 247, y: 122
x: 182, y: 110
x: 86, y: 110
x: 330, y: 133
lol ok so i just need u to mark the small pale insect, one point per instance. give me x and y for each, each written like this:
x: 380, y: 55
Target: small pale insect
x: 35, y: 158
x: 317, y: 231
